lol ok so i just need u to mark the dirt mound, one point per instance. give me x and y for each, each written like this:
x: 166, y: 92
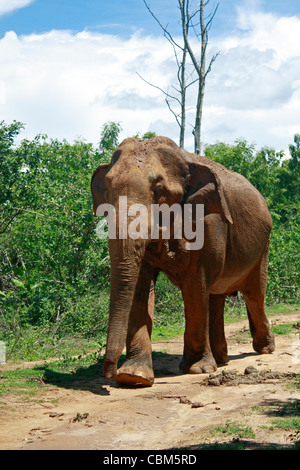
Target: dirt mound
x: 250, y: 376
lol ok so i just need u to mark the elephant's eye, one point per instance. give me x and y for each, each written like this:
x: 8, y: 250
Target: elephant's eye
x: 158, y: 191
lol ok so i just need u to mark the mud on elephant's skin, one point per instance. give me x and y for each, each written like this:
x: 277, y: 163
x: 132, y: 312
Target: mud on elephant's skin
x: 234, y: 257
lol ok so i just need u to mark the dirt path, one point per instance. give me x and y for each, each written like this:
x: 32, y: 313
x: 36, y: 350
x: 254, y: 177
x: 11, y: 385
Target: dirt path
x: 177, y: 411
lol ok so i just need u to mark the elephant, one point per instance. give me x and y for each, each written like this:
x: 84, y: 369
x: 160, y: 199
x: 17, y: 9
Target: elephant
x: 233, y: 257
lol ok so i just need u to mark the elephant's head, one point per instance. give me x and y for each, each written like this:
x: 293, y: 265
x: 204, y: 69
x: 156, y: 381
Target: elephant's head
x: 149, y: 172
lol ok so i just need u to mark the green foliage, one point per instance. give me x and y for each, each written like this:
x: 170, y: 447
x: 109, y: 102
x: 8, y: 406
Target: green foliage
x: 55, y: 270
x: 65, y: 372
x: 146, y: 136
x: 109, y: 140
x: 168, y: 303
x: 53, y: 267
x: 233, y: 429
x: 284, y: 329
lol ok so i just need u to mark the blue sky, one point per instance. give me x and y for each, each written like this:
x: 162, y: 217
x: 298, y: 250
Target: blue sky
x: 121, y: 17
x: 69, y: 66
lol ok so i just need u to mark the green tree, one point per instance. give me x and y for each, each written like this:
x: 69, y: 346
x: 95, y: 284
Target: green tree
x: 50, y: 241
x: 109, y: 140
x: 13, y: 176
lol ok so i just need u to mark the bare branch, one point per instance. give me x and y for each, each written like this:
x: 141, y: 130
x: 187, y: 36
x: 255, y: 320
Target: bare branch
x: 212, y: 60
x: 176, y: 115
x: 166, y: 32
x: 158, y: 88
x: 211, y: 15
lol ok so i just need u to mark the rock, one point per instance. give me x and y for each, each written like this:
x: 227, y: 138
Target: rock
x: 197, y: 404
x: 184, y: 400
x: 215, y: 382
x: 250, y: 370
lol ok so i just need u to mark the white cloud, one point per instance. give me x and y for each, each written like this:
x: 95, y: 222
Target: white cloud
x: 68, y: 85
x: 2, y: 92
x: 254, y: 84
x: 7, y: 6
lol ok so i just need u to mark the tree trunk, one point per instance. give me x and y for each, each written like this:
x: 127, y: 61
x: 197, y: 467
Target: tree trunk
x: 202, y: 76
x: 183, y: 87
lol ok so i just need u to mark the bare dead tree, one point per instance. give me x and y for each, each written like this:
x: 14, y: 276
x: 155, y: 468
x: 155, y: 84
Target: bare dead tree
x: 175, y: 96
x: 187, y: 20
x: 192, y: 18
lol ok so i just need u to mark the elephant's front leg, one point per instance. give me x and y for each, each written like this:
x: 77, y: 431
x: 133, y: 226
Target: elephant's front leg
x: 137, y: 369
x: 197, y: 354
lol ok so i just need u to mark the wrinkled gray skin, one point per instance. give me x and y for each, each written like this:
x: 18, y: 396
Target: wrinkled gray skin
x: 234, y: 256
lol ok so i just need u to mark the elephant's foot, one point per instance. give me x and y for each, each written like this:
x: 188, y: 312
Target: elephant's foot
x: 206, y: 365
x: 265, y: 345
x: 135, y: 374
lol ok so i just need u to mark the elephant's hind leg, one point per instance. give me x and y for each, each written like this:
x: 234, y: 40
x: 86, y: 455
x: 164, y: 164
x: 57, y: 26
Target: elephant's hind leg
x: 216, y: 328
x: 137, y: 369
x: 254, y: 291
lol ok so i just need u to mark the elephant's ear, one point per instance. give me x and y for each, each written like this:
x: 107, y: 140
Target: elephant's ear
x: 205, y: 187
x: 98, y: 186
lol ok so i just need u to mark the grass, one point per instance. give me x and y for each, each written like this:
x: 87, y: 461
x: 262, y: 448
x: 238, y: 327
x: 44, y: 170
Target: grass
x: 64, y: 372
x: 22, y: 382
x: 236, y: 310
x: 281, y: 308
x: 166, y: 332
x: 234, y: 430
x: 288, y: 424
x: 285, y: 415
x: 283, y: 329
x: 36, y: 344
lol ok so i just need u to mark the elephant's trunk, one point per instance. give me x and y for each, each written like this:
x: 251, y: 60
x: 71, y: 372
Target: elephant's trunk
x: 126, y: 257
